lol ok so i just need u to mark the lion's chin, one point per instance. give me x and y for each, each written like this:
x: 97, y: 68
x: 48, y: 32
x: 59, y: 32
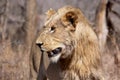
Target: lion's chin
x: 55, y: 59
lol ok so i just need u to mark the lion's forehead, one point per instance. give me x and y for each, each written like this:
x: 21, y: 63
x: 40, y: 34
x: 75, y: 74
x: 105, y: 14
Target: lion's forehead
x: 54, y: 19
x: 54, y: 23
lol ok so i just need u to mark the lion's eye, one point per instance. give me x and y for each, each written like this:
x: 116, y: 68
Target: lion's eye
x: 52, y: 29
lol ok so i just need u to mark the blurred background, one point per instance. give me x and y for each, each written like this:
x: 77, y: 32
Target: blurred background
x: 20, y: 22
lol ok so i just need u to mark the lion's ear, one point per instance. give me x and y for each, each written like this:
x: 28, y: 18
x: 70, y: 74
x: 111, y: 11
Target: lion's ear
x: 50, y: 12
x: 72, y: 18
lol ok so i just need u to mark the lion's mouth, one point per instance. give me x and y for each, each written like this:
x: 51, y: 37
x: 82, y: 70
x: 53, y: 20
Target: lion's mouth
x: 54, y: 52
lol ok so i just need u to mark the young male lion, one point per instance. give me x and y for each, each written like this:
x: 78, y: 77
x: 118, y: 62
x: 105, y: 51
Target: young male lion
x: 67, y: 38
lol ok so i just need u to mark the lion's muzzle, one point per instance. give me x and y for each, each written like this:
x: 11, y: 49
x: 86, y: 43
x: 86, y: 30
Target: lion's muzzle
x: 54, y: 52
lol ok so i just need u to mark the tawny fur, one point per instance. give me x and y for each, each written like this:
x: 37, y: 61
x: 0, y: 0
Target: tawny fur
x: 80, y: 59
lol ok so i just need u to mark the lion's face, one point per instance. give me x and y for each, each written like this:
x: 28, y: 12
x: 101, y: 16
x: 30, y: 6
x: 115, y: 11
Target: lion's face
x: 65, y: 32
x: 57, y: 37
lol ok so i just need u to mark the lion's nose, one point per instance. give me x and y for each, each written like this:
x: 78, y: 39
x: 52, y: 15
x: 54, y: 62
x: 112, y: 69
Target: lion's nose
x: 54, y: 52
x: 39, y: 44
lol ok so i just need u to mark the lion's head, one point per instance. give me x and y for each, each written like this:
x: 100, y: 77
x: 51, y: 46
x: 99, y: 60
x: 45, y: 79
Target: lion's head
x: 65, y: 32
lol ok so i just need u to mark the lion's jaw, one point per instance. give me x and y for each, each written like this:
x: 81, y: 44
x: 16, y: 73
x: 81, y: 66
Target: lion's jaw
x: 56, y: 53
x: 64, y: 53
x: 55, y: 59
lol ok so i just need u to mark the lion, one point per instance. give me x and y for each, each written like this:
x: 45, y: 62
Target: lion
x: 67, y: 38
